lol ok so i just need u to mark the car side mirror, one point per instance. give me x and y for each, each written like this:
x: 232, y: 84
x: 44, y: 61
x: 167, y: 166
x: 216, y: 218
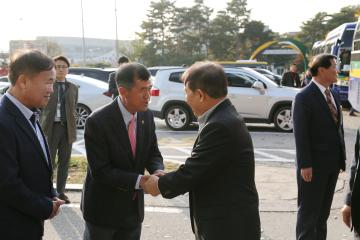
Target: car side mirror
x: 259, y: 86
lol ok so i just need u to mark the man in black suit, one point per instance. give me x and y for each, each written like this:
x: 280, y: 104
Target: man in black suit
x: 113, y: 89
x: 120, y: 143
x: 27, y: 196
x: 291, y: 78
x: 351, y: 209
x: 320, y: 148
x: 219, y: 174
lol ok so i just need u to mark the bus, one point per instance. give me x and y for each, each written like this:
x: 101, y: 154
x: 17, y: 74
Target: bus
x: 339, y: 43
x: 244, y: 63
x: 354, y: 79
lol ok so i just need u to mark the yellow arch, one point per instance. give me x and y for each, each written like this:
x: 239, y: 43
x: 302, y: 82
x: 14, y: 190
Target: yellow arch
x: 261, y: 48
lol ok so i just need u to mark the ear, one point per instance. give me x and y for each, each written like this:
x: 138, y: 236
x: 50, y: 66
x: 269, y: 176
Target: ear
x: 122, y: 91
x: 22, y: 81
x: 202, y: 95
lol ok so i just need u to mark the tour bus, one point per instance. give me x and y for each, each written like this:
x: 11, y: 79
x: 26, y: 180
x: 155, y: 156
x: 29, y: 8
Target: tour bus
x: 244, y: 63
x: 339, y: 42
x: 354, y: 79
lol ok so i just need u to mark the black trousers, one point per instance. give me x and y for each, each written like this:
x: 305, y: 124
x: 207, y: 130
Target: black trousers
x: 314, y: 203
x: 94, y: 232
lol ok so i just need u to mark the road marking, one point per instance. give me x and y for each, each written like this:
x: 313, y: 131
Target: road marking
x: 147, y: 208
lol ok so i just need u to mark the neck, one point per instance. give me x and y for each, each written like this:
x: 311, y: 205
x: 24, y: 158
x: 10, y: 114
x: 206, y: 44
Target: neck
x: 126, y: 106
x: 322, y: 82
x: 211, y: 103
x: 20, y: 97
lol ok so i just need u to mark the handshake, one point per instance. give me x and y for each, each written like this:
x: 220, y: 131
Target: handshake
x: 149, y: 183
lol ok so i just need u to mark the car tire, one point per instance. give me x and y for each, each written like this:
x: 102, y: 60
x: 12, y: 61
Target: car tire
x: 82, y: 113
x: 177, y: 117
x: 283, y: 119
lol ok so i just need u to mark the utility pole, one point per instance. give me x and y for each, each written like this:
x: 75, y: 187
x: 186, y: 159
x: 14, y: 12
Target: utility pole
x: 83, y: 34
x: 116, y: 37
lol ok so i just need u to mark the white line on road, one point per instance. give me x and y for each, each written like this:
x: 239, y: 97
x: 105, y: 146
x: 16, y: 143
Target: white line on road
x: 147, y: 208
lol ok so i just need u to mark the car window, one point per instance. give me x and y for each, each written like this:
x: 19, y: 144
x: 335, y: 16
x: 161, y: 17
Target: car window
x: 237, y: 80
x: 176, y: 77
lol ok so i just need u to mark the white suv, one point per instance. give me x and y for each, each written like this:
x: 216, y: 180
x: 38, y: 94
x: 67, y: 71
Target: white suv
x: 256, y: 98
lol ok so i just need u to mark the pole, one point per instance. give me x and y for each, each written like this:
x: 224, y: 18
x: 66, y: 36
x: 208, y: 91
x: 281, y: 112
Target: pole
x: 116, y: 35
x: 83, y: 34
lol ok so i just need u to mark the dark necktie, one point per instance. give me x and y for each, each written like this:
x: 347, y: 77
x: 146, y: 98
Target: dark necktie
x: 62, y: 101
x: 332, y: 107
x: 34, y: 117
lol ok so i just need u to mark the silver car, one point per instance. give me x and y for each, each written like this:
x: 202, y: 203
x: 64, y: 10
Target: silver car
x: 92, y: 95
x: 256, y: 98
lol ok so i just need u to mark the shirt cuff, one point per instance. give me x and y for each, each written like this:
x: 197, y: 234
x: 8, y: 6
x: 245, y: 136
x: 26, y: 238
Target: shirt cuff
x: 137, y: 185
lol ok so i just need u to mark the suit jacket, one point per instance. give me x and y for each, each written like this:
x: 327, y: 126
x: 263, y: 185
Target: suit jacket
x: 48, y: 113
x: 353, y: 196
x: 26, y: 190
x: 219, y: 175
x: 109, y: 196
x: 291, y: 79
x: 319, y: 140
x: 113, y: 89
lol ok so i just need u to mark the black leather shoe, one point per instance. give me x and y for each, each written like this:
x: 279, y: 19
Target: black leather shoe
x: 65, y: 198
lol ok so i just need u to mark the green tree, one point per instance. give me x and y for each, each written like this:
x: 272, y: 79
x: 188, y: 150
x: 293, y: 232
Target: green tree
x: 346, y: 14
x: 156, y: 32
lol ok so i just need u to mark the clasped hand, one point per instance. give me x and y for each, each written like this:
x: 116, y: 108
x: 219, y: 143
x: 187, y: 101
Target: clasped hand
x: 149, y: 183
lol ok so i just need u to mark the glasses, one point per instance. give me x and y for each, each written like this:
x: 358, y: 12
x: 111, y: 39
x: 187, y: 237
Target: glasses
x: 61, y: 66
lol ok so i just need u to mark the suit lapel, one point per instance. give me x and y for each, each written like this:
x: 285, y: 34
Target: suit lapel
x: 120, y: 129
x: 321, y: 99
x: 27, y: 129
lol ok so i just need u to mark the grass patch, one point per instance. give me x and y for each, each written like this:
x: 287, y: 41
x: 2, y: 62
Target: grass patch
x: 78, y: 165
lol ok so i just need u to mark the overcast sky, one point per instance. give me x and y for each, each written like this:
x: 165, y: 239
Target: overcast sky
x: 26, y: 19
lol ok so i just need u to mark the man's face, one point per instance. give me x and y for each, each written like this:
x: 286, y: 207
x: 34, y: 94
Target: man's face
x: 329, y: 74
x: 62, y: 69
x: 37, y: 88
x: 293, y: 68
x: 137, y: 98
x: 193, y: 99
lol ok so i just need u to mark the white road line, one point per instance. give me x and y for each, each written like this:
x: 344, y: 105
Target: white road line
x: 147, y: 208
x: 271, y: 156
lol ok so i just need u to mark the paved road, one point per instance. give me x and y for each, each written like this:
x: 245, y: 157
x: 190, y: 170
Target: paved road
x: 275, y: 179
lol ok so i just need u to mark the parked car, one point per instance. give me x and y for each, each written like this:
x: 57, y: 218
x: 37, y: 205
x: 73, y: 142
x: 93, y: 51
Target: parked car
x: 255, y: 97
x: 92, y: 95
x: 101, y: 74
x: 272, y: 76
x: 4, y: 79
x: 154, y: 70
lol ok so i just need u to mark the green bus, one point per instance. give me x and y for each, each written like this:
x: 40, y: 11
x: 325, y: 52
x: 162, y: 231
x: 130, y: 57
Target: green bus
x: 354, y: 78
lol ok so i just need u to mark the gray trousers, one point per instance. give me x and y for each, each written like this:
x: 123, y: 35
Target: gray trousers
x: 93, y: 232
x: 60, y: 145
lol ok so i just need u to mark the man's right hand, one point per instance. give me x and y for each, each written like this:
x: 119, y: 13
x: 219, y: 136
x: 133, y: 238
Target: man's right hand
x: 306, y: 174
x: 346, y: 213
x: 56, y: 207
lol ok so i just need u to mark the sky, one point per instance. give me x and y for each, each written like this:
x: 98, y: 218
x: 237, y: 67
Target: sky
x: 26, y: 19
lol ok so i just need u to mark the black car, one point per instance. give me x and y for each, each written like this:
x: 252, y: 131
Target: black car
x: 97, y: 73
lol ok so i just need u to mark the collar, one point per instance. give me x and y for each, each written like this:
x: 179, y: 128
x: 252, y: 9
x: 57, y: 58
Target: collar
x: 125, y: 113
x: 23, y: 109
x: 321, y: 87
x: 205, y: 116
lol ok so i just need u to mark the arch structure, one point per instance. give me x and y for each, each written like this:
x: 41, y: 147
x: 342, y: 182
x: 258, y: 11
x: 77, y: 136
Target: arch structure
x: 294, y: 44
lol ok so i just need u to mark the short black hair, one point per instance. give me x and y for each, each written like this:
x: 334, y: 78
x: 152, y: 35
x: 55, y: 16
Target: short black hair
x: 62, y: 58
x: 122, y: 60
x: 127, y: 73
x: 207, y: 76
x: 28, y: 62
x: 321, y: 60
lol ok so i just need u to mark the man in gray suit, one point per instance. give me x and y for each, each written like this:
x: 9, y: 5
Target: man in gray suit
x: 58, y: 122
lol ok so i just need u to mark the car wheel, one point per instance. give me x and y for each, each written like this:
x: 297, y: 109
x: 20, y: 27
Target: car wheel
x: 177, y: 117
x: 82, y: 113
x: 283, y: 119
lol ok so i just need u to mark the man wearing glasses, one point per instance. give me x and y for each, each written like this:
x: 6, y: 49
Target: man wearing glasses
x: 59, y: 125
